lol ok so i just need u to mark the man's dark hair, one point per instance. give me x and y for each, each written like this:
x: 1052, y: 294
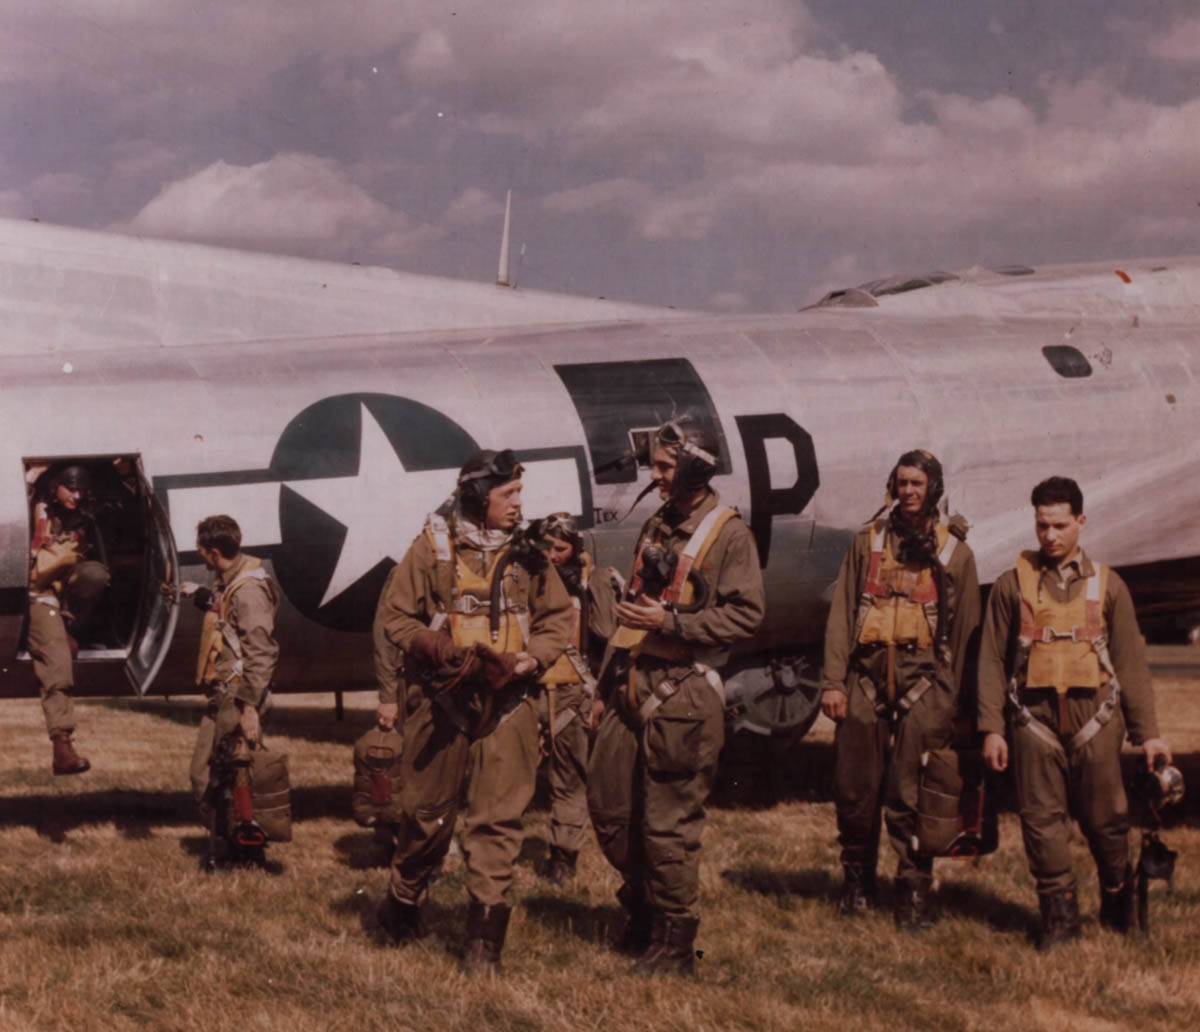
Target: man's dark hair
x: 220, y: 534
x: 1056, y: 491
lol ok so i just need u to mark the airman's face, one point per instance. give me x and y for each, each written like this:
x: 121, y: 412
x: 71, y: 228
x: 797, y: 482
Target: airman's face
x: 504, y: 506
x: 912, y: 486
x: 1057, y: 530
x: 68, y: 497
x: 559, y: 552
x: 663, y: 464
x: 208, y: 556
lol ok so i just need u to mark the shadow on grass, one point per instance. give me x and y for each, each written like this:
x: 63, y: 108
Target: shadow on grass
x: 807, y: 883
x: 283, y: 719
x: 976, y: 903
x: 137, y: 814
x: 593, y: 924
x: 199, y: 848
x: 957, y: 899
x: 535, y: 852
x: 362, y: 851
x: 445, y: 924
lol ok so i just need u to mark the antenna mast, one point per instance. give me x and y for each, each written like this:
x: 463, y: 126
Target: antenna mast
x: 502, y: 271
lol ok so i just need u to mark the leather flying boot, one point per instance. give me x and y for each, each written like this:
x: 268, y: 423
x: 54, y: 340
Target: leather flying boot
x: 561, y: 868
x: 859, y: 892
x: 486, y: 928
x: 66, y: 759
x: 1060, y: 918
x: 635, y: 939
x: 672, y: 946
x: 401, y: 921
x: 1116, y: 900
x: 912, y: 903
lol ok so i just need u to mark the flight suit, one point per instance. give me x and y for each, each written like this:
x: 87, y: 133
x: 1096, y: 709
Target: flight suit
x: 63, y: 583
x: 648, y: 779
x: 564, y: 712
x: 1056, y: 782
x: 247, y: 600
x: 878, y: 746
x: 500, y: 768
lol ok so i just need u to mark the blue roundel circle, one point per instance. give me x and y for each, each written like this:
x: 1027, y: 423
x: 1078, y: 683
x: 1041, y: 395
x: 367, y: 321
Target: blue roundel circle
x: 323, y: 442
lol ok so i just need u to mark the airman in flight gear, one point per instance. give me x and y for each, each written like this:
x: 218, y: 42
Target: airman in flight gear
x: 904, y: 609
x: 696, y: 589
x: 68, y: 574
x: 238, y: 651
x: 1061, y: 654
x: 565, y: 706
x: 477, y: 619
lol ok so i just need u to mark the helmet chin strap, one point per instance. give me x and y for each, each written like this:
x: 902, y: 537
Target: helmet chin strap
x: 642, y: 494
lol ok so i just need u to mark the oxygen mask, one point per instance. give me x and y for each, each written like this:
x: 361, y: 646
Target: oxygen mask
x: 1161, y: 787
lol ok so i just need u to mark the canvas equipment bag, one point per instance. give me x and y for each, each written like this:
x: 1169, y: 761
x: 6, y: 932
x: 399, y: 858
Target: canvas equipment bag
x: 270, y: 794
x: 377, y: 781
x: 953, y: 818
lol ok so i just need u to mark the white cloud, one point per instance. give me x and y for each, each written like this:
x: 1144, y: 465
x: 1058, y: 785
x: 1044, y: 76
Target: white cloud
x: 292, y: 202
x: 671, y: 122
x: 621, y: 196
x: 15, y: 205
x: 474, y: 206
x: 60, y: 189
x: 1180, y: 42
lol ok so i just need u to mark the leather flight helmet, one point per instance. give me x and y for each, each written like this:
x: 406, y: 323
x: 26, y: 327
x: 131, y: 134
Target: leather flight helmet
x: 484, y: 470
x: 72, y: 476
x: 696, y: 449
x: 928, y: 464
x: 561, y: 526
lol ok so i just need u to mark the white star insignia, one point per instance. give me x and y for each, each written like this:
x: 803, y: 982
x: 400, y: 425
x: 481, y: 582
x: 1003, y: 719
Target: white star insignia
x: 381, y: 506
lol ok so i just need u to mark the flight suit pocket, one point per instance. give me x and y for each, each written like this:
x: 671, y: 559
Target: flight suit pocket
x: 681, y: 744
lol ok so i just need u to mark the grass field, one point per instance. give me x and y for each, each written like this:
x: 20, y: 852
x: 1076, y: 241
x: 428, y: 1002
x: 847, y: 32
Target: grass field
x: 107, y: 922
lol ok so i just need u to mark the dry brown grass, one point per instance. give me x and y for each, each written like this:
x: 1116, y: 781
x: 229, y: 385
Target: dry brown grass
x: 107, y: 923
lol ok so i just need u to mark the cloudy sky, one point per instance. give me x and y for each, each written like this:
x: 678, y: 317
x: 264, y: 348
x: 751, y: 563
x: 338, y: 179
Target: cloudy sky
x: 729, y: 155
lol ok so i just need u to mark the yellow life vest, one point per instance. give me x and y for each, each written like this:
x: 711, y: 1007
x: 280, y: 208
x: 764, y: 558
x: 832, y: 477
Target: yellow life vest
x: 1061, y: 636
x: 565, y: 669
x: 679, y: 591
x: 55, y: 554
x: 217, y: 638
x: 468, y: 609
x: 898, y: 605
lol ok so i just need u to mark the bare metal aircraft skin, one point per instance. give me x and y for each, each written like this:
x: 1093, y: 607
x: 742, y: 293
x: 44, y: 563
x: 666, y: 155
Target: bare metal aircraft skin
x: 330, y: 447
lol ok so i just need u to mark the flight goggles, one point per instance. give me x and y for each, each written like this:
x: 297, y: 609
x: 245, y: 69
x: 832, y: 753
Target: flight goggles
x: 560, y: 525
x: 673, y: 436
x: 501, y: 466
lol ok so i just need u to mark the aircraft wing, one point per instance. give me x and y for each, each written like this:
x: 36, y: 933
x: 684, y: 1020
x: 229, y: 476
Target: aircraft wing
x: 77, y: 289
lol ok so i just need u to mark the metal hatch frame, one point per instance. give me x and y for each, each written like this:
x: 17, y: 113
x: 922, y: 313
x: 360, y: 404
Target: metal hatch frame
x: 158, y: 608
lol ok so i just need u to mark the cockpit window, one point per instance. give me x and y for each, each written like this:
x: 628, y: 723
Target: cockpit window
x: 903, y: 284
x: 862, y: 296
x: 614, y: 398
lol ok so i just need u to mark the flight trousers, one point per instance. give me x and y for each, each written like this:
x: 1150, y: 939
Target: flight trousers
x: 50, y: 646
x: 1055, y: 786
x: 877, y: 768
x: 648, y: 783
x: 499, y: 771
x: 566, y: 762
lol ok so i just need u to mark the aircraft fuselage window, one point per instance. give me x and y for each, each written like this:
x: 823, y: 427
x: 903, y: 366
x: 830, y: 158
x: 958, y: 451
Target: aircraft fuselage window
x: 1067, y: 361
x: 613, y: 398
